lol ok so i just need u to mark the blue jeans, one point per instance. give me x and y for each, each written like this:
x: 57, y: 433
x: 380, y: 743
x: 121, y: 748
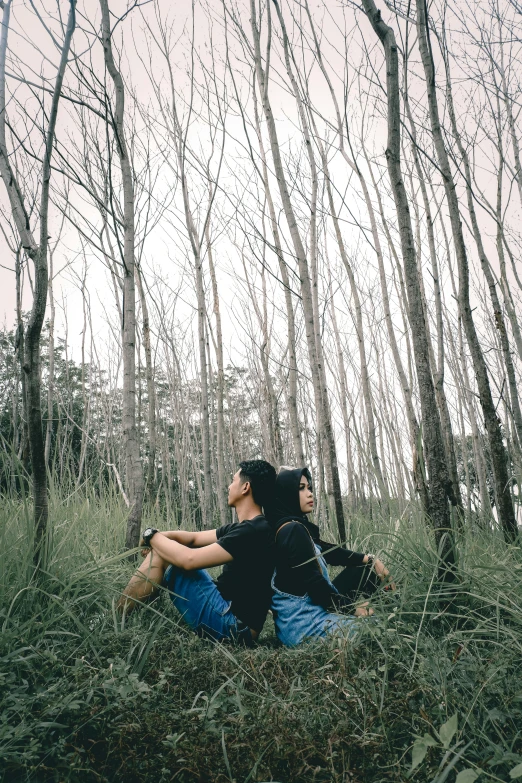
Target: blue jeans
x: 297, y: 619
x: 202, y: 606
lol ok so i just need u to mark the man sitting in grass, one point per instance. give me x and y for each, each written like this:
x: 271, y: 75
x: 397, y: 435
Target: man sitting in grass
x: 235, y: 605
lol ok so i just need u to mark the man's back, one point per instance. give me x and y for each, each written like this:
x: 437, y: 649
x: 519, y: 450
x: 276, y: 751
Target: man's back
x: 246, y: 580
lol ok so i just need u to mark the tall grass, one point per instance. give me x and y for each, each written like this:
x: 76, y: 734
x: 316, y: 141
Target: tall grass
x: 87, y: 697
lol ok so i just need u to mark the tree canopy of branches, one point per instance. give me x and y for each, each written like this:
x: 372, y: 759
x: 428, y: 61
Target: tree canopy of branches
x: 280, y: 229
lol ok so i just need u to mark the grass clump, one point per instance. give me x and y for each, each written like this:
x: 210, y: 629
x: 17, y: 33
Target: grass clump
x: 434, y: 684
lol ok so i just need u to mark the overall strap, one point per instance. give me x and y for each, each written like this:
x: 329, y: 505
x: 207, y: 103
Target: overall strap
x: 284, y: 525
x: 311, y: 539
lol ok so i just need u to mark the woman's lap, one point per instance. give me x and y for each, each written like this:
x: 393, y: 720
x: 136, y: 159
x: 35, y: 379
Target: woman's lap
x: 297, y: 620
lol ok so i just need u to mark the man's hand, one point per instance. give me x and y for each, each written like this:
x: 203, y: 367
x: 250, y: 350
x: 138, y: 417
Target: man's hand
x: 145, y: 550
x: 192, y: 539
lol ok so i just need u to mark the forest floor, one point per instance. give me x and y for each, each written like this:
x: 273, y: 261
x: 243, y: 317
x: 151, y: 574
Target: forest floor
x: 435, y: 684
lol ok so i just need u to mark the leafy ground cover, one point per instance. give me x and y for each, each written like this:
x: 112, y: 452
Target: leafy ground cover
x: 430, y: 692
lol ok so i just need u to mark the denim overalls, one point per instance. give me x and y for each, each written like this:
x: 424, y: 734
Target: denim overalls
x: 296, y: 618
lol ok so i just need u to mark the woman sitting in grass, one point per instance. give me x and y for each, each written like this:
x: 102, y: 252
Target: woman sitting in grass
x: 305, y: 602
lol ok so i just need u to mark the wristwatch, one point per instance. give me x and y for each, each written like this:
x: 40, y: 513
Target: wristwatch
x: 371, y: 559
x: 147, y: 534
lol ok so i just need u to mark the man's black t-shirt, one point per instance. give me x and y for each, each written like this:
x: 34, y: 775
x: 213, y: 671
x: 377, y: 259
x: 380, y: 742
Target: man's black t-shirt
x: 246, y: 580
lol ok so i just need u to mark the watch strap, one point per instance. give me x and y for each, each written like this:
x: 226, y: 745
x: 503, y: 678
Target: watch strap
x: 147, y: 535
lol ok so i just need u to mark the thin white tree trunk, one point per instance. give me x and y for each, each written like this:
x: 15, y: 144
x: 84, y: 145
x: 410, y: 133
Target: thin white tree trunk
x: 37, y: 252
x: 324, y: 425
x: 220, y: 390
x: 130, y: 432
x: 432, y: 429
x: 496, y: 445
x: 290, y: 317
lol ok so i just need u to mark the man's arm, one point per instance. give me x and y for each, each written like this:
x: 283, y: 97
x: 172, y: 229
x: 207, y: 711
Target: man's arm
x: 187, y: 558
x: 191, y: 538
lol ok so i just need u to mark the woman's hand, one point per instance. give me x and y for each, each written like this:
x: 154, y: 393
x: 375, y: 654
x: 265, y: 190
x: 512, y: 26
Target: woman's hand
x: 363, y: 610
x: 382, y: 572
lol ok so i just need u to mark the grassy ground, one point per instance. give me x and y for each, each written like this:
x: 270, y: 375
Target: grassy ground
x: 86, y: 698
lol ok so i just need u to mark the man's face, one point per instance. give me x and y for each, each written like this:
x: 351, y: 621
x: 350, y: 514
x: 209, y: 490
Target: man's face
x: 237, y: 489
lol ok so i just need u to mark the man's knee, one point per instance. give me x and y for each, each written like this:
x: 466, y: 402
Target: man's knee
x: 153, y: 561
x: 144, y: 583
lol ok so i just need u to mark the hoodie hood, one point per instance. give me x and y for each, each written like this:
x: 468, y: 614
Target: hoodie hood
x: 286, y: 505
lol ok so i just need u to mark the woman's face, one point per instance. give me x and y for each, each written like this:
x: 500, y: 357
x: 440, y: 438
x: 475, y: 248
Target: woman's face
x: 306, y: 498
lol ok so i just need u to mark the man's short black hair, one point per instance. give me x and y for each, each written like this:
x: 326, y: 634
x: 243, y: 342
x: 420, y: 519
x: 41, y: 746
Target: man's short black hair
x: 262, y: 478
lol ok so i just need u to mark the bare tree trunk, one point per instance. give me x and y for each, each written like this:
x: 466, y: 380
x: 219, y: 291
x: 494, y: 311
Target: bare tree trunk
x: 291, y: 338
x: 85, y: 414
x: 464, y: 450
x: 498, y: 451
x: 365, y: 377
x: 484, y: 261
x: 478, y: 447
x: 130, y: 433
x: 220, y: 391
x: 23, y: 445
x: 432, y: 430
x: 38, y: 254
x: 500, y: 323
x: 405, y: 380
x: 343, y: 394
x: 276, y: 445
x: 151, y: 389
x: 50, y: 382
x: 511, y: 121
x: 324, y: 425
x: 179, y: 138
x: 352, y: 163
x: 438, y: 365
x: 205, y: 424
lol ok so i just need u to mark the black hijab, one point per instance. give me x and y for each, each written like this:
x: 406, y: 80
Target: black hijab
x: 286, y: 505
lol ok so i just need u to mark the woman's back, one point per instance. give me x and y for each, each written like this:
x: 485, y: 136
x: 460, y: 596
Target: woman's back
x: 298, y: 567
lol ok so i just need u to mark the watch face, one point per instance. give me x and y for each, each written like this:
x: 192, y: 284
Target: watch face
x: 147, y: 532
